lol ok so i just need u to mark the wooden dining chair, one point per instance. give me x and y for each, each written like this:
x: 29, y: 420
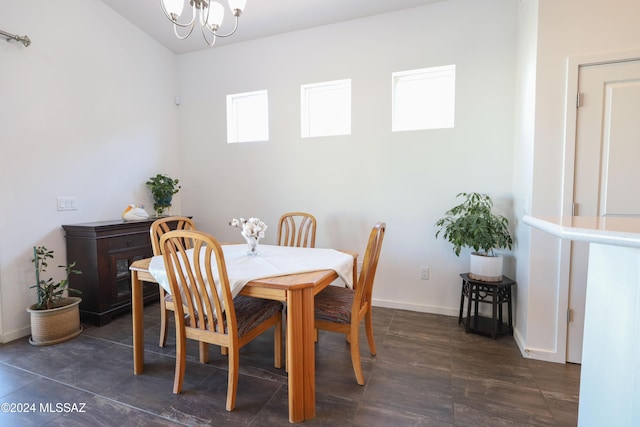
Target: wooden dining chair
x: 158, y: 228
x: 340, y: 309
x: 205, y: 310
x: 297, y: 229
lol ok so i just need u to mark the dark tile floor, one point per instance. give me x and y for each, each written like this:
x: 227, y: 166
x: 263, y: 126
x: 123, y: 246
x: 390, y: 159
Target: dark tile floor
x: 428, y: 372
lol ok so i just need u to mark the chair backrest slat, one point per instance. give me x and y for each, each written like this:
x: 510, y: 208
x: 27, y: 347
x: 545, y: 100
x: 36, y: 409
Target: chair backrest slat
x: 160, y: 226
x: 364, y: 289
x: 195, y: 287
x: 297, y: 229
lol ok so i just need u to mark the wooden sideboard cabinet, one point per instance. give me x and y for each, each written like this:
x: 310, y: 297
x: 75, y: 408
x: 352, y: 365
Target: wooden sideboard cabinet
x: 104, y: 251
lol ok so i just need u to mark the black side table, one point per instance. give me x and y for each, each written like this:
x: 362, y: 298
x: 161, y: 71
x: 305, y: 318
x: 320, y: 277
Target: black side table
x: 494, y: 293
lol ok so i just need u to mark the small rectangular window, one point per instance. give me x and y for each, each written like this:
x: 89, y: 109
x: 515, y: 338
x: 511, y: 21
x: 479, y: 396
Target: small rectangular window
x: 326, y: 108
x: 424, y: 99
x: 248, y: 117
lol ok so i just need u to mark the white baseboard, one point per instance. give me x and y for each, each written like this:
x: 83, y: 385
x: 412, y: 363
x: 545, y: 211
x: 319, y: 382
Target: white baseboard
x: 447, y: 311
x: 536, y: 353
x: 14, y: 335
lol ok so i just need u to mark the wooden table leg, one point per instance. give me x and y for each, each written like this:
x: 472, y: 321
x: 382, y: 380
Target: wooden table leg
x: 138, y: 320
x: 294, y: 356
x: 300, y: 355
x: 308, y: 322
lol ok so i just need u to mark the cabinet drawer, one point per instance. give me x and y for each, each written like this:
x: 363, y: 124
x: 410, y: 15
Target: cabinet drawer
x: 129, y: 241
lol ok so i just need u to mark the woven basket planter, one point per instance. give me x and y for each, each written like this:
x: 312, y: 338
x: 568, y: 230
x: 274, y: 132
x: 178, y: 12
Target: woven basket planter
x: 57, y: 324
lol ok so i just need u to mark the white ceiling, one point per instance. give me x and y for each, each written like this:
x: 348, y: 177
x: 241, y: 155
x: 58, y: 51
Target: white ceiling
x: 261, y: 18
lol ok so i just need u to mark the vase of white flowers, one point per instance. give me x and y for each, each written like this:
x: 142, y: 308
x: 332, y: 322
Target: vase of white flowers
x: 252, y: 230
x: 253, y: 245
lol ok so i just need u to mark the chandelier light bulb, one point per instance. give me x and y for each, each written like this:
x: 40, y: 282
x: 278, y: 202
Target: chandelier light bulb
x: 174, y: 7
x: 216, y: 15
x: 237, y: 6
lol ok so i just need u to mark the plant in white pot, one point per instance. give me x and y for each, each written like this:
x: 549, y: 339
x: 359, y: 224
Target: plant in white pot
x: 472, y: 224
x: 55, y: 317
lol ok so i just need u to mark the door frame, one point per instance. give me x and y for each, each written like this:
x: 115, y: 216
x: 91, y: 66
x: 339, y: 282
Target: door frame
x: 571, y: 119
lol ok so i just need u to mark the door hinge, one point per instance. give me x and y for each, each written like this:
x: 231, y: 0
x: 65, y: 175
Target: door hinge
x: 569, y: 315
x: 574, y: 209
x: 579, y: 100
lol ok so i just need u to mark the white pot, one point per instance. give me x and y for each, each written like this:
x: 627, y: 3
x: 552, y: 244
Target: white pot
x: 485, y: 268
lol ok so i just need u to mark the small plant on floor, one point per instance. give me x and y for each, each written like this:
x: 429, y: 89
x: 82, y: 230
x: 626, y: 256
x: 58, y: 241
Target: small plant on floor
x: 50, y: 292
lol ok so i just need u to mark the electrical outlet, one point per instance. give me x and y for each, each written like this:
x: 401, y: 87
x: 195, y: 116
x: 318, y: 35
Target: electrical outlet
x: 67, y: 203
x: 424, y: 273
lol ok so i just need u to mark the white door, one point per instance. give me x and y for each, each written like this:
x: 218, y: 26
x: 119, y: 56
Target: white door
x: 607, y: 173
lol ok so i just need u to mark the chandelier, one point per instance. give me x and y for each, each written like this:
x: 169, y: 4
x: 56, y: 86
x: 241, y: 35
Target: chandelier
x: 210, y: 15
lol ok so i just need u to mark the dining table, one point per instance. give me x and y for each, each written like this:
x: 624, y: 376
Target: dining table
x: 294, y: 278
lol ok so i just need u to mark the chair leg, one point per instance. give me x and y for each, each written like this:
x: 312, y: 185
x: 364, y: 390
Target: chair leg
x: 368, y: 322
x: 232, y: 384
x: 181, y: 359
x: 164, y: 321
x: 355, y: 355
x: 203, y: 348
x: 277, y: 343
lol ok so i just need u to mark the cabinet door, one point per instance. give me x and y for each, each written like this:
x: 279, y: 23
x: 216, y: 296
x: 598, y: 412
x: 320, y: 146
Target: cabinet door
x: 121, y: 260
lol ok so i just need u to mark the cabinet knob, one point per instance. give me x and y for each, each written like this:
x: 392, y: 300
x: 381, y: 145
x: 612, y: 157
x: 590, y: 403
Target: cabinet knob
x: 129, y: 243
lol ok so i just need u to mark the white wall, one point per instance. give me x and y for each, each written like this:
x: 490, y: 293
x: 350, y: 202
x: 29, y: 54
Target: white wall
x: 565, y: 29
x: 407, y: 179
x: 523, y: 152
x: 87, y: 110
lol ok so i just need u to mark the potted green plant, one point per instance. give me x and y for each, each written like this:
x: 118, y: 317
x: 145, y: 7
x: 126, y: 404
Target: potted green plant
x: 472, y: 224
x: 55, y: 317
x: 162, y: 189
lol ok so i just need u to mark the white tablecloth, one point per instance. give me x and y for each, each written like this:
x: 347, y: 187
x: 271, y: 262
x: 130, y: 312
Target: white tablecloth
x: 271, y: 261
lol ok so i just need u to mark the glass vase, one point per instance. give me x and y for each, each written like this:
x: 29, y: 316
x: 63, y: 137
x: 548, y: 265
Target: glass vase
x: 163, y: 211
x: 252, y: 243
x: 162, y: 206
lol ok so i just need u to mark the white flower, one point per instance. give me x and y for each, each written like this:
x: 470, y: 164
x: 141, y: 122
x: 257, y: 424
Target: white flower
x: 251, y: 227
